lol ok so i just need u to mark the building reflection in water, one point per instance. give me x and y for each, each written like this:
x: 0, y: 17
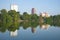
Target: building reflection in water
x: 15, y: 33
x: 45, y: 26
x: 33, y: 29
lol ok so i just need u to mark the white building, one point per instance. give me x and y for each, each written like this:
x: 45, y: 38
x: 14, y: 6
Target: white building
x: 45, y: 14
x: 14, y: 7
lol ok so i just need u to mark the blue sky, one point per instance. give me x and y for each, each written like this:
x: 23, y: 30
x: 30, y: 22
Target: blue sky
x: 50, y: 6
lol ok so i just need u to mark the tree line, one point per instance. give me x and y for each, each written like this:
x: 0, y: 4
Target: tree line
x: 12, y: 17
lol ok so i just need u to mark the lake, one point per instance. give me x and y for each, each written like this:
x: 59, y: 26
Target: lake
x: 44, y: 32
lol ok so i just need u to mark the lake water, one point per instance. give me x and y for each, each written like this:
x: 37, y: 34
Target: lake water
x: 37, y: 33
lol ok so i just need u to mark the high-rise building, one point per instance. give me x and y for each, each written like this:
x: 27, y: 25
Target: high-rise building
x: 33, y: 11
x: 14, y: 7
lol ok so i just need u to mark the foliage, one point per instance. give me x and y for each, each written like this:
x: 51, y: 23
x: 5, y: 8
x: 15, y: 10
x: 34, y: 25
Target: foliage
x: 11, y: 20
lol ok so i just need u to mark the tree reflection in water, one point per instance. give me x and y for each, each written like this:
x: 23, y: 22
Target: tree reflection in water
x: 14, y: 27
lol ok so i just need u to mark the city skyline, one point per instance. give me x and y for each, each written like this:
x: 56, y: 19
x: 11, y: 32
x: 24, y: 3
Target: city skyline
x: 50, y: 6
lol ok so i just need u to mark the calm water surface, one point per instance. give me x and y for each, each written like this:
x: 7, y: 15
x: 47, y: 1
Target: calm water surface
x: 38, y: 33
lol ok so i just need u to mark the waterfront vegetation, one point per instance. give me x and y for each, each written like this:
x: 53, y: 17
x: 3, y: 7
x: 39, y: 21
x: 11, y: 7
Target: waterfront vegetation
x: 12, y: 20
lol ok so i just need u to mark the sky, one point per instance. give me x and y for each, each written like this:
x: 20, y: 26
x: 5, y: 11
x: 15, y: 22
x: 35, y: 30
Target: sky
x: 52, y: 7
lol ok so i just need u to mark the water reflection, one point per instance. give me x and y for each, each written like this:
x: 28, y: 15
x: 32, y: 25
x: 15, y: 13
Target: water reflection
x: 33, y: 30
x: 13, y: 27
x: 44, y: 26
x: 13, y: 33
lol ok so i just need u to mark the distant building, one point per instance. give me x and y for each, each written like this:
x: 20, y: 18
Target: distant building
x: 14, y: 7
x: 45, y: 14
x: 33, y: 11
x: 13, y: 33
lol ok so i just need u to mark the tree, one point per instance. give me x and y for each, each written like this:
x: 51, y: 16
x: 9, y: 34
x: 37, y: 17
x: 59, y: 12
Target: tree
x: 15, y: 15
x: 26, y: 16
x: 4, y: 15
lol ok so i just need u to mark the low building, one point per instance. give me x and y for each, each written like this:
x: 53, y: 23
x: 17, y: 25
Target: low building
x: 45, y: 14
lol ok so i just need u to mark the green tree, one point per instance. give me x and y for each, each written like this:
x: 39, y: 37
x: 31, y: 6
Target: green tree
x: 34, y: 17
x: 26, y: 16
x: 15, y: 15
x: 4, y: 15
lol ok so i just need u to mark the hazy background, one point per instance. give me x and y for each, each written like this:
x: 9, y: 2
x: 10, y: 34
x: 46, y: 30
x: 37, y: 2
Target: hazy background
x: 50, y: 6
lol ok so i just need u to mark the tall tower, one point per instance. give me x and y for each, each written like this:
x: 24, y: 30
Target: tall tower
x: 14, y: 7
x: 33, y: 11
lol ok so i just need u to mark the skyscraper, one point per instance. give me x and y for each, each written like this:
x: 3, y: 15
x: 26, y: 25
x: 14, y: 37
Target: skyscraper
x: 14, y: 7
x: 33, y: 11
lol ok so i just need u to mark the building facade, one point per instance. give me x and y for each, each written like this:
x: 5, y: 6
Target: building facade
x: 14, y: 7
x: 33, y: 11
x: 45, y: 14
